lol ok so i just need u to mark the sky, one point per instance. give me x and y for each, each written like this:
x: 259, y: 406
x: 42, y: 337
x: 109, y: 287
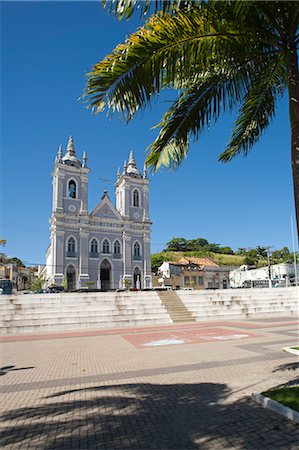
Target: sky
x: 47, y: 50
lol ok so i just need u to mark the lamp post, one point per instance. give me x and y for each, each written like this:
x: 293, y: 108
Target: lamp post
x: 269, y: 267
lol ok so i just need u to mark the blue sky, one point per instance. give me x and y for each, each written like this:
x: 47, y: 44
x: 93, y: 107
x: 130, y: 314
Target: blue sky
x: 47, y: 48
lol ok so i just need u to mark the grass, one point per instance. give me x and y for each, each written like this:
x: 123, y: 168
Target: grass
x: 286, y: 396
x: 295, y: 348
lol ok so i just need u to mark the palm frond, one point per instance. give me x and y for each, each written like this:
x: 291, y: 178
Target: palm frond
x: 257, y: 110
x: 195, y: 110
x: 124, y: 9
x: 165, y: 49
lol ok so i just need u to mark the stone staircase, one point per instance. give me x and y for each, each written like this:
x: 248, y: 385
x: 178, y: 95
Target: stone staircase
x: 175, y: 307
x: 241, y: 303
x: 81, y: 311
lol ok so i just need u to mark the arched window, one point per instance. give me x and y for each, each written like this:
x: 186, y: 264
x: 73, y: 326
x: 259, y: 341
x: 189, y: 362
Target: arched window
x: 106, y: 246
x: 71, y: 246
x: 94, y: 246
x: 136, y: 251
x: 135, y: 198
x: 72, y: 189
x: 116, y: 249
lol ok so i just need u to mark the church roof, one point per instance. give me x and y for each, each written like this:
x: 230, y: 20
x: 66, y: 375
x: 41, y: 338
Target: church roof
x: 106, y: 208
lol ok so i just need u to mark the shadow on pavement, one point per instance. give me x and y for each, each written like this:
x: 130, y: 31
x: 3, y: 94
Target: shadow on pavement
x: 4, y: 370
x: 293, y: 366
x: 147, y: 416
x: 287, y: 366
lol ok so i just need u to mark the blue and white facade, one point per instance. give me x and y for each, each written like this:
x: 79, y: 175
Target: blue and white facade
x: 108, y: 248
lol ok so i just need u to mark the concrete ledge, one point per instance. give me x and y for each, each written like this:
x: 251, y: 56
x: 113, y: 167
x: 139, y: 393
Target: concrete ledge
x: 291, y: 350
x: 268, y: 403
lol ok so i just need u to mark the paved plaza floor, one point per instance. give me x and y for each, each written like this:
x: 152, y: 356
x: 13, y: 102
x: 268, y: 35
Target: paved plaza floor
x: 184, y: 386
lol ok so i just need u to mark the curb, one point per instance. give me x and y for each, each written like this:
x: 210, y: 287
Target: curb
x: 291, y: 350
x: 268, y: 403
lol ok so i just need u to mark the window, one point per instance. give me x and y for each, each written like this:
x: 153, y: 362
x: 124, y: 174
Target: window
x: 106, y: 246
x: 94, y: 246
x: 135, y: 198
x: 200, y: 280
x: 136, y: 251
x: 187, y: 281
x: 116, y: 249
x: 72, y: 188
x: 71, y: 246
x: 194, y: 279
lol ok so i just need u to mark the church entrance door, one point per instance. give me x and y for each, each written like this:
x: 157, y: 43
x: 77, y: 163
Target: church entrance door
x: 137, y: 279
x: 105, y: 275
x: 71, y: 278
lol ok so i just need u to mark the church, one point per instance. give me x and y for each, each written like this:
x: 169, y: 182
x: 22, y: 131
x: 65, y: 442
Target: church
x: 107, y: 248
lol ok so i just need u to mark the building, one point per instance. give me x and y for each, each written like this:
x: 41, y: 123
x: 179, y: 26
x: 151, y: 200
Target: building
x: 280, y: 275
x: 21, y: 277
x: 193, y: 273
x: 108, y: 248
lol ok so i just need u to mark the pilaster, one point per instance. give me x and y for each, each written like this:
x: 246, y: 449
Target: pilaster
x: 83, y: 258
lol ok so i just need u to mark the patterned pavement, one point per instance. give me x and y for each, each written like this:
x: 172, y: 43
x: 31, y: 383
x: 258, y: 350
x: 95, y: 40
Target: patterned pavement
x: 171, y: 387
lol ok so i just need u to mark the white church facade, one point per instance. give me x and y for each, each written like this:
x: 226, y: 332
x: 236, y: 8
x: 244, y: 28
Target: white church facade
x: 108, y: 248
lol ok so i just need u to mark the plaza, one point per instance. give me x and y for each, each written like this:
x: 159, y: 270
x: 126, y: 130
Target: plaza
x: 156, y: 387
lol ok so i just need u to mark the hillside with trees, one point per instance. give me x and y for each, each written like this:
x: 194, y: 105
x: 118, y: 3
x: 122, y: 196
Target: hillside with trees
x: 200, y: 247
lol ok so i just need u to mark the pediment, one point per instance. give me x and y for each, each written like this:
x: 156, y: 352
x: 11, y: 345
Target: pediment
x: 106, y: 209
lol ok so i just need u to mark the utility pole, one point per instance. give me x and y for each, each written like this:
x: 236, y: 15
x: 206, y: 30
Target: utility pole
x: 269, y: 267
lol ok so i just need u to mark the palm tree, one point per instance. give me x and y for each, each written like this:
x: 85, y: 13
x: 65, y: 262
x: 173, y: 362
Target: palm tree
x: 3, y: 242
x: 219, y: 56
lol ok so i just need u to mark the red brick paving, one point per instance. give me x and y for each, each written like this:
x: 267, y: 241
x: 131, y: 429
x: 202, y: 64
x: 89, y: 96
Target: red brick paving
x: 151, y: 328
x: 101, y: 392
x: 186, y: 336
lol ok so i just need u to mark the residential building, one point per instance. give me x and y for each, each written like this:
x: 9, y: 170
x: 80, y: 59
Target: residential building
x: 192, y: 273
x: 21, y: 277
x: 280, y: 275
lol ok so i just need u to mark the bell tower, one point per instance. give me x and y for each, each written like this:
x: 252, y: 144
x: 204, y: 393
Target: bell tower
x: 132, y: 204
x: 132, y: 192
x: 70, y: 182
x: 69, y: 206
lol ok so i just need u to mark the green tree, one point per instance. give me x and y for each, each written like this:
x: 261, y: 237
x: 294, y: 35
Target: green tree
x: 241, y: 251
x: 281, y: 255
x: 177, y: 245
x: 17, y: 262
x: 219, y: 56
x: 212, y: 247
x: 226, y: 250
x: 251, y: 257
x: 37, y: 283
x: 261, y: 251
x: 157, y: 259
x: 197, y: 244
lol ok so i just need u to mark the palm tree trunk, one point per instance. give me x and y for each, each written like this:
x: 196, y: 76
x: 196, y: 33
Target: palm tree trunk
x: 293, y: 87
